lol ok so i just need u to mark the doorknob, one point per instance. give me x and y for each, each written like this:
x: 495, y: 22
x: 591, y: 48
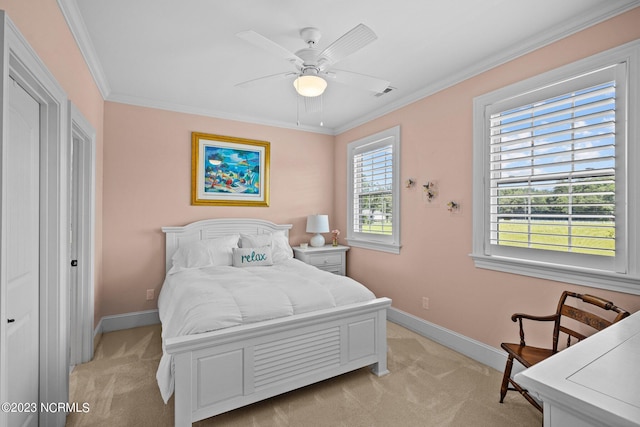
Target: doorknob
x: 11, y: 320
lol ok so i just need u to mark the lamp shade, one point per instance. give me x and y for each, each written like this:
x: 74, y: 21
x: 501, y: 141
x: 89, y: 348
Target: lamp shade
x: 317, y: 224
x: 310, y: 85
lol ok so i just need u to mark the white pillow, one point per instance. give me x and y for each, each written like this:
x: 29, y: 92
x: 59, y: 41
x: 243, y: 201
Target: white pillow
x: 252, y: 257
x: 191, y: 255
x: 277, y: 240
x: 221, y: 248
x: 205, y: 253
x: 281, y: 249
x: 255, y: 240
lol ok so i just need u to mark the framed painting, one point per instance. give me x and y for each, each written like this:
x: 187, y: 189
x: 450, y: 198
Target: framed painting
x: 229, y: 171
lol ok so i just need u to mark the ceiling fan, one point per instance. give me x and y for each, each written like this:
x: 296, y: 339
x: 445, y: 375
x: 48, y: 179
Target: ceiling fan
x: 313, y: 67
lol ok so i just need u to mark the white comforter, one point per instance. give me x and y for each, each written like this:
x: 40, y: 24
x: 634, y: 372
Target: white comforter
x: 200, y: 300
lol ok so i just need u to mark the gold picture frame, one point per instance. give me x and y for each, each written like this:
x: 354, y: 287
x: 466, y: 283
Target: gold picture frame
x: 229, y: 171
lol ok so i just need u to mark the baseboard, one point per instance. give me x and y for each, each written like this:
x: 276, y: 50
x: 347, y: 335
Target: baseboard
x: 118, y: 322
x: 476, y: 350
x: 97, y: 336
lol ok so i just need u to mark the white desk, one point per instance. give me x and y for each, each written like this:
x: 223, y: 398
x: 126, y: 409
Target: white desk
x: 593, y: 383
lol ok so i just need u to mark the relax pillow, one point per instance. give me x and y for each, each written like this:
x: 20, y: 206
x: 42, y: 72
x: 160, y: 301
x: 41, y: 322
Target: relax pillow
x: 251, y: 257
x: 277, y: 241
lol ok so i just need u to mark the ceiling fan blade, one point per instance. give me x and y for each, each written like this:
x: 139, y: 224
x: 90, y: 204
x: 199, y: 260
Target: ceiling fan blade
x: 349, y: 43
x: 270, y: 46
x: 260, y: 80
x: 362, y: 81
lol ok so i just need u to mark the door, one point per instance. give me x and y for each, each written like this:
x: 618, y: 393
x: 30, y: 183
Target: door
x: 23, y: 257
x: 75, y: 323
x: 81, y: 245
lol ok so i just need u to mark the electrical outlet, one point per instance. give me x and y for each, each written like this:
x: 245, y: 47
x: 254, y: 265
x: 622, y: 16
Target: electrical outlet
x: 150, y: 294
x: 425, y: 303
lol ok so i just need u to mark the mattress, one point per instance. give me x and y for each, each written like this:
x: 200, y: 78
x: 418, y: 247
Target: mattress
x: 211, y: 298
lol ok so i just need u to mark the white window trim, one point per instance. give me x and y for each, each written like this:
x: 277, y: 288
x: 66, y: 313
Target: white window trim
x: 371, y: 241
x: 627, y: 281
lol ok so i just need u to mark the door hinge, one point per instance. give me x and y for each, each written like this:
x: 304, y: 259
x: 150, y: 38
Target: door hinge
x: 74, y: 263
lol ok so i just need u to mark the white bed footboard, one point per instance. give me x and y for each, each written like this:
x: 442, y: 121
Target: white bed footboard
x: 222, y: 370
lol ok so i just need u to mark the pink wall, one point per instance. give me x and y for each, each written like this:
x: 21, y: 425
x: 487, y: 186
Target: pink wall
x: 143, y: 181
x: 436, y: 135
x: 44, y: 27
x: 147, y: 184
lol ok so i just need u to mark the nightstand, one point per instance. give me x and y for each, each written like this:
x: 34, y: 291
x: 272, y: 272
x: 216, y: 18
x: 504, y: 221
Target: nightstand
x: 328, y: 257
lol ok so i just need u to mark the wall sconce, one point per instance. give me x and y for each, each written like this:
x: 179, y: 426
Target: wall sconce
x: 409, y: 183
x: 430, y: 190
x: 453, y: 206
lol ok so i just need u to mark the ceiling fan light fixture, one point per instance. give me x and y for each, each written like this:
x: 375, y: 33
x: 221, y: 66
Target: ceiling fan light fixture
x: 310, y: 85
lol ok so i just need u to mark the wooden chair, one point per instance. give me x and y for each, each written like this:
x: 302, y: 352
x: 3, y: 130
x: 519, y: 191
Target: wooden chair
x: 529, y: 356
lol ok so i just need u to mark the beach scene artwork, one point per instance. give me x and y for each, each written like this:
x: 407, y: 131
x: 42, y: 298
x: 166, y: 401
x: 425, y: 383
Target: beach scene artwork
x: 229, y: 170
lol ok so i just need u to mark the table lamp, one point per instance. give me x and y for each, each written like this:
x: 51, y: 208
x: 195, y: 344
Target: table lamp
x: 317, y: 224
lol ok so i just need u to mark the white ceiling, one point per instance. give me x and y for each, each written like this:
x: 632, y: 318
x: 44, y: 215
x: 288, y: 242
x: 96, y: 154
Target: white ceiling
x: 184, y: 55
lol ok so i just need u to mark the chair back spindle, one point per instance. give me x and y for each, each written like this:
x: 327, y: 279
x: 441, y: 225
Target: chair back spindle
x: 569, y: 311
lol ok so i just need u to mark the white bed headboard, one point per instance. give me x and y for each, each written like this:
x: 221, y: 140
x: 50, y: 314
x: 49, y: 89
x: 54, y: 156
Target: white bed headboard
x: 211, y: 228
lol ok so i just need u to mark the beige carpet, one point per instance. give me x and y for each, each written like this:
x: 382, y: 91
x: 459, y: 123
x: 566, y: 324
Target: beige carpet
x: 429, y: 385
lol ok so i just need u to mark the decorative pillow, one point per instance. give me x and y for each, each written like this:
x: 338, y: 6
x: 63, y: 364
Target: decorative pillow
x: 251, y: 257
x: 277, y: 240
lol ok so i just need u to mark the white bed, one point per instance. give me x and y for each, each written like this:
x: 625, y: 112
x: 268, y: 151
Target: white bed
x: 234, y: 366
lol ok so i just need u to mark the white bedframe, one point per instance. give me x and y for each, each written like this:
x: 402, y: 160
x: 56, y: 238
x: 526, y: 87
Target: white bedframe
x: 222, y: 370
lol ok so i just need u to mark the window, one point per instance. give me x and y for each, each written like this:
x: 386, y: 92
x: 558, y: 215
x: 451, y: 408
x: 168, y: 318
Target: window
x: 553, y: 173
x: 374, y: 197
x: 555, y: 187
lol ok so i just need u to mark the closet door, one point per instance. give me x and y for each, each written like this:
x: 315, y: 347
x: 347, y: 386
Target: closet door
x: 23, y: 256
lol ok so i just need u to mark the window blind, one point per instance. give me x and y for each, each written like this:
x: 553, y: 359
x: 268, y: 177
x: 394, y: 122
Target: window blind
x: 553, y: 175
x: 373, y: 190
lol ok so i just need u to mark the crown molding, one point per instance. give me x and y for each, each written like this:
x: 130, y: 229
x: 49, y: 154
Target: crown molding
x: 71, y: 13
x: 559, y: 32
x: 77, y: 27
x: 188, y: 109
